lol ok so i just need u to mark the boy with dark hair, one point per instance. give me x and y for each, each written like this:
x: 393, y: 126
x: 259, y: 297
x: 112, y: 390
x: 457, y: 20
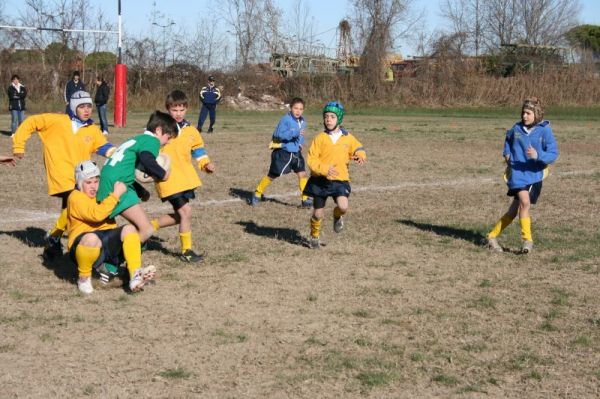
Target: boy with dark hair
x: 529, y: 147
x: 178, y: 190
x: 94, y: 238
x: 74, y: 85
x: 287, y: 143
x: 210, y: 95
x: 67, y: 140
x: 101, y: 98
x: 330, y: 153
x: 137, y: 152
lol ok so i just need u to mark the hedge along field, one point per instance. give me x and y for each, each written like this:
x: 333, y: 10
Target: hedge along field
x: 406, y: 302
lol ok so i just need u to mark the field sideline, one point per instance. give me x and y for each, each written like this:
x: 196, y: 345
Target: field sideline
x: 404, y: 303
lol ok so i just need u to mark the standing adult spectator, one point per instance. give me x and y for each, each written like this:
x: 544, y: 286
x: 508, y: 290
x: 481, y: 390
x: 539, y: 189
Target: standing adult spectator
x: 101, y: 98
x: 210, y: 95
x: 73, y: 85
x: 16, y: 102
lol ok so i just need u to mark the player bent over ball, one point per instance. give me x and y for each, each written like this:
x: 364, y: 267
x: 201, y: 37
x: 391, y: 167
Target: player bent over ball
x: 94, y: 238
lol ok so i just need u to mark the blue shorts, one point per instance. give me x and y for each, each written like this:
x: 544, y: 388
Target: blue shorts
x: 179, y: 199
x: 283, y: 162
x: 320, y: 188
x: 112, y: 246
x: 534, y: 189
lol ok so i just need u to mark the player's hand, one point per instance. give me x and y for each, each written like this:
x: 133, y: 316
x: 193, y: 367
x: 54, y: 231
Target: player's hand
x: 531, y: 153
x: 359, y: 160
x: 331, y: 173
x: 119, y: 189
x: 167, y: 175
x: 302, y: 132
x: 209, y: 167
x: 10, y: 161
x: 19, y: 155
x: 507, y: 159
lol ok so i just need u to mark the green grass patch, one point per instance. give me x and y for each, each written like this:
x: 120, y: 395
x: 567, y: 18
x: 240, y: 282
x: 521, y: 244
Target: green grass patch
x: 363, y: 313
x: 417, y: 357
x: 444, y: 379
x: 375, y: 378
x: 314, y: 341
x: 583, y: 341
x: 312, y: 298
x: 560, y: 297
x: 484, y: 302
x: 178, y: 373
x: 226, y: 337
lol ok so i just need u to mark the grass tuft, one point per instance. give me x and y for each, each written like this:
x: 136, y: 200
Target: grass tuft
x: 178, y: 373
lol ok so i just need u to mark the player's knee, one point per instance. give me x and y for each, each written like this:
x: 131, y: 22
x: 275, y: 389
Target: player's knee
x: 90, y: 240
x: 128, y: 229
x: 185, y: 212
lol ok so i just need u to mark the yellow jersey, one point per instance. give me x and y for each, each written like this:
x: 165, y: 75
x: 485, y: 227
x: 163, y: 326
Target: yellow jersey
x: 324, y: 153
x: 187, y: 145
x: 84, y: 214
x: 63, y: 149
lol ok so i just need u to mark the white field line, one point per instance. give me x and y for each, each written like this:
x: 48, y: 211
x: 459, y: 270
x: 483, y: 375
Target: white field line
x: 29, y: 216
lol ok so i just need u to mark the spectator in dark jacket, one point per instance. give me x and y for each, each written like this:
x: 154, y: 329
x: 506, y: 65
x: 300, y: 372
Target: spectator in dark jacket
x: 210, y: 95
x: 16, y: 102
x: 101, y: 98
x: 72, y: 86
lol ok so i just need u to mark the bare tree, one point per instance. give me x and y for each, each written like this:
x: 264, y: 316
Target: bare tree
x: 466, y: 17
x: 546, y: 21
x: 245, y: 19
x: 378, y: 24
x: 502, y: 20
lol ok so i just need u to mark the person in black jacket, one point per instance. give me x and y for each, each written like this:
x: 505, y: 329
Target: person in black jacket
x: 16, y: 102
x: 210, y: 95
x: 72, y: 86
x: 101, y: 98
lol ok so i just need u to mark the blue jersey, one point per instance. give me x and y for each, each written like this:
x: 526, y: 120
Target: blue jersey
x: 524, y: 170
x: 288, y: 132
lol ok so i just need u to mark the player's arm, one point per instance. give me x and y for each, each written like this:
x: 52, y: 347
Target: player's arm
x: 549, y: 150
x: 358, y: 155
x: 199, y: 154
x: 35, y: 123
x: 313, y: 160
x: 152, y: 167
x: 286, y: 131
x: 90, y: 211
x: 218, y: 91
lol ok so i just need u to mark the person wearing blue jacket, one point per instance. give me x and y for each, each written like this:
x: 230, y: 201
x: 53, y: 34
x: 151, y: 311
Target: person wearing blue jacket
x: 529, y: 147
x: 287, y: 143
x: 210, y: 95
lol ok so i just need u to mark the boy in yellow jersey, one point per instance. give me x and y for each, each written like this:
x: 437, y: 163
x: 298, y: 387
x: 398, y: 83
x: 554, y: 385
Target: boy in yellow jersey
x: 67, y: 140
x: 94, y: 238
x: 330, y: 153
x: 179, y: 188
x: 287, y: 144
x: 529, y: 147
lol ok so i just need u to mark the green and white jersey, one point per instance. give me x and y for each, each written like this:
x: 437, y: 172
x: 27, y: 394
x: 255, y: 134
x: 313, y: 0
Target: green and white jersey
x: 122, y: 163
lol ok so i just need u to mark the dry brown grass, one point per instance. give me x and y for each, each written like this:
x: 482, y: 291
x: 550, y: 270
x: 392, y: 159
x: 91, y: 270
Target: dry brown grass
x: 404, y: 303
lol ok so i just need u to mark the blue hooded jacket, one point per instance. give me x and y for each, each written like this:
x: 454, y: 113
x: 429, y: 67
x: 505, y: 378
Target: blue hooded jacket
x: 288, y: 131
x: 524, y: 170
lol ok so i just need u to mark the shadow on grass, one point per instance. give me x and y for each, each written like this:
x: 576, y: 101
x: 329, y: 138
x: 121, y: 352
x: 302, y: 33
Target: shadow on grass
x: 291, y: 236
x: 247, y: 196
x: 471, y: 236
x: 31, y: 236
x: 5, y: 132
x: 156, y: 244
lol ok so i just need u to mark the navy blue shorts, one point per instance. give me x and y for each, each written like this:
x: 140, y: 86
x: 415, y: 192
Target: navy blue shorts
x: 112, y: 247
x: 283, y: 162
x: 534, y: 189
x: 180, y: 199
x: 320, y: 188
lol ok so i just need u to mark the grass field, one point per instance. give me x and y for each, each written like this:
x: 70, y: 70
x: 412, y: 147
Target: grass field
x: 405, y: 303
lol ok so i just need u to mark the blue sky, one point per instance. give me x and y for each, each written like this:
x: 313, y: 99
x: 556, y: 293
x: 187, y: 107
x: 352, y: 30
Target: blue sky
x: 327, y: 14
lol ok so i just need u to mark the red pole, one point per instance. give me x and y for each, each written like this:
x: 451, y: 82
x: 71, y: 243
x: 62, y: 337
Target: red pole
x: 120, y: 95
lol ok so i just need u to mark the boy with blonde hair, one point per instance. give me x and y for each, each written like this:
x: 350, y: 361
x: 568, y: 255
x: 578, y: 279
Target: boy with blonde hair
x: 67, y: 140
x: 94, y: 238
x: 178, y: 190
x: 330, y: 153
x: 529, y: 147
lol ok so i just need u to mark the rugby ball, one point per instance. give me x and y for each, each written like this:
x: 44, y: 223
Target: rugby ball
x: 163, y: 160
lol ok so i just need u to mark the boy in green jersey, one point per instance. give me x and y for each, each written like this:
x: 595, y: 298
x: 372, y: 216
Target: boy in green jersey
x: 138, y: 152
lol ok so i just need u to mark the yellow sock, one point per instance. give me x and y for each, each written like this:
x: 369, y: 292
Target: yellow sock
x: 154, y: 224
x: 301, y: 185
x: 337, y: 213
x: 186, y: 241
x: 315, y: 227
x: 61, y: 224
x: 86, y: 256
x: 132, y: 250
x: 500, y: 225
x: 262, y: 186
x: 526, y: 229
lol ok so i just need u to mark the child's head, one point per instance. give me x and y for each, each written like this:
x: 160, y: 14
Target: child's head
x: 75, y: 76
x: 99, y: 80
x: 177, y: 104
x: 81, y: 105
x: 15, y: 79
x: 163, y: 126
x: 211, y: 80
x: 297, y: 107
x: 532, y: 111
x: 87, y: 176
x: 333, y: 115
